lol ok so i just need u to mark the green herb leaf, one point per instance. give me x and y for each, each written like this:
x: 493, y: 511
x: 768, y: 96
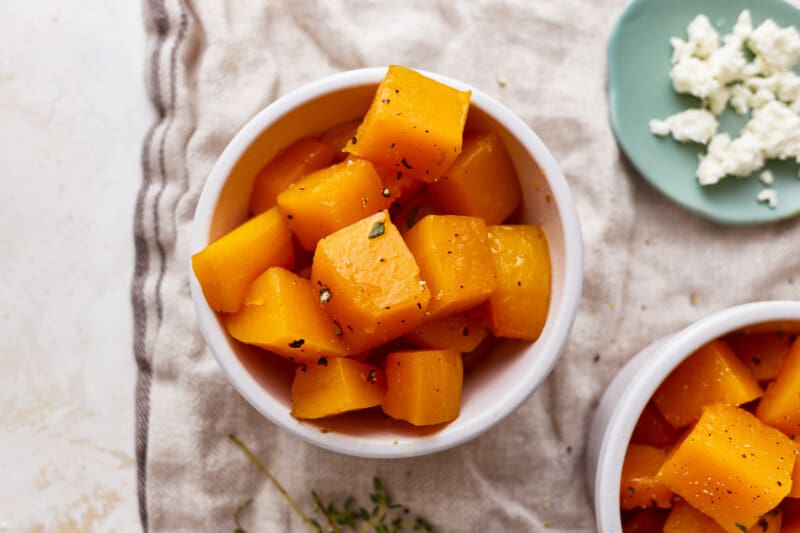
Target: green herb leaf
x: 384, y: 517
x: 377, y: 230
x: 741, y: 527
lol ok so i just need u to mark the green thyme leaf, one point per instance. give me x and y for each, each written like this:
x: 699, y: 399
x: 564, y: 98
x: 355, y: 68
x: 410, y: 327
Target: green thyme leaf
x: 377, y: 230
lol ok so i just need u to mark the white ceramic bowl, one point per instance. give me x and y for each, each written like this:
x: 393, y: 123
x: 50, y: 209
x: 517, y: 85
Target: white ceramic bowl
x: 491, y: 391
x: 634, y: 385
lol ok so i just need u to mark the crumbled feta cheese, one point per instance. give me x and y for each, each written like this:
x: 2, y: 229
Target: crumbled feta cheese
x: 744, y: 25
x: 740, y: 99
x: 718, y: 100
x: 703, y: 35
x: 778, y: 46
x: 777, y: 129
x: 728, y: 62
x: 768, y: 196
x: 722, y: 76
x: 681, y: 49
x: 695, y: 125
x: 767, y: 178
x: 738, y: 157
x: 659, y: 127
x: 693, y: 76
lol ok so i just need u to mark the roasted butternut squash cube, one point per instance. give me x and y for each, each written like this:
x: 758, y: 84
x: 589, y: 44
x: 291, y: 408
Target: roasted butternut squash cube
x: 331, y: 198
x: 456, y: 332
x: 423, y: 387
x: 334, y: 385
x: 338, y: 136
x: 518, y: 307
x: 414, y: 125
x: 653, y: 430
x: 481, y: 182
x: 762, y: 353
x: 454, y: 260
x: 395, y: 186
x: 295, y: 161
x: 685, y: 519
x: 226, y: 267
x: 712, y: 374
x: 282, y: 314
x: 780, y: 406
x: 370, y: 282
x: 640, y: 485
x: 731, y: 466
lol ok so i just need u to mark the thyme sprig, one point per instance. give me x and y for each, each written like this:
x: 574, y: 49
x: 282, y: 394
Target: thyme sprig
x: 383, y: 516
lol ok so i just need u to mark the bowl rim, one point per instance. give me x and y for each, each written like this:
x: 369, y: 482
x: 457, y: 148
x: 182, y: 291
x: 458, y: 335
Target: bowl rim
x: 264, y: 403
x: 662, y: 359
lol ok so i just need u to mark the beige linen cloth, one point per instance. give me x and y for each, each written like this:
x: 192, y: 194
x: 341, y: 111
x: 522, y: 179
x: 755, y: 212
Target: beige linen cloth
x: 651, y: 268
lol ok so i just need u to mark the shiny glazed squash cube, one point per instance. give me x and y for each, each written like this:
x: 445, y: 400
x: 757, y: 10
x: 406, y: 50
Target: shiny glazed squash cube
x: 457, y: 332
x: 518, y: 307
x: 712, y: 374
x: 640, y: 485
x: 454, y: 260
x: 780, y: 406
x: 414, y: 125
x: 482, y: 182
x: 369, y: 283
x: 290, y: 165
x: 331, y: 198
x: 423, y: 387
x: 334, y: 385
x: 226, y: 267
x: 282, y: 314
x: 731, y: 467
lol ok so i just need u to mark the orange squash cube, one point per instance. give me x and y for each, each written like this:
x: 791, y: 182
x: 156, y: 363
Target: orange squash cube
x: 640, y: 486
x: 282, y: 314
x: 762, y: 353
x: 397, y: 186
x: 482, y: 182
x: 518, y: 307
x: 685, y: 519
x: 649, y: 520
x: 338, y: 136
x: 423, y: 387
x: 331, y: 198
x: 369, y: 282
x: 454, y: 260
x: 295, y: 161
x: 456, y: 332
x: 226, y: 267
x: 414, y: 125
x: 731, y: 466
x: 712, y: 374
x: 780, y: 406
x: 653, y: 430
x: 335, y: 385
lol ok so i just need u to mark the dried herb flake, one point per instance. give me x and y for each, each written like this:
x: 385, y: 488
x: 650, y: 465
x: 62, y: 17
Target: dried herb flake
x: 296, y: 344
x: 377, y: 230
x: 325, y: 295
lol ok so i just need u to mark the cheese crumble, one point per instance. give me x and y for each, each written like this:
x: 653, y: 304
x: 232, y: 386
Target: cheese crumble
x: 717, y: 70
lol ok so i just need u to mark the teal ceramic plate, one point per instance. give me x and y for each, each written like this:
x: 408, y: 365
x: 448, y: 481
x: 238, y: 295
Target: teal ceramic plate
x: 640, y: 89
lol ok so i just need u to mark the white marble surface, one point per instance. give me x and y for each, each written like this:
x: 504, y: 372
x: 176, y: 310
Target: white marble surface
x: 73, y: 112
